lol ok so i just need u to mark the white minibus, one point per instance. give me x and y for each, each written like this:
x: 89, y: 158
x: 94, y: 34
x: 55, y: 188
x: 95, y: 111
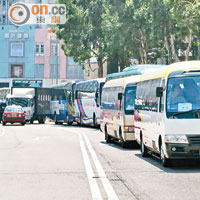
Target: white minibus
x: 167, y: 112
x: 117, y: 109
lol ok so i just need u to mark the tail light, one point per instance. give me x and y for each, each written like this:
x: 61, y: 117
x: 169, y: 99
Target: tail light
x: 129, y: 129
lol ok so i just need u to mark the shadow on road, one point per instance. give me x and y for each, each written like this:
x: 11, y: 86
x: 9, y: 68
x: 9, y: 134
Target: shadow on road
x: 176, y: 166
x: 129, y: 147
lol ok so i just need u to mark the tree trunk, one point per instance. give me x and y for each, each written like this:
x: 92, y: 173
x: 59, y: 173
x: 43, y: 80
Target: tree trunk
x: 174, y: 54
x: 190, y: 39
x: 143, y: 48
x: 168, y: 50
x: 100, y: 68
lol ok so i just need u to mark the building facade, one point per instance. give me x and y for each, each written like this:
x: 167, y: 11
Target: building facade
x: 16, y: 52
x: 32, y: 52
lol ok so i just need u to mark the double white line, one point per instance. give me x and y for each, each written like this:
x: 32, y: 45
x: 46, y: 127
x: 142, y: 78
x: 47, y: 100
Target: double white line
x: 96, y: 194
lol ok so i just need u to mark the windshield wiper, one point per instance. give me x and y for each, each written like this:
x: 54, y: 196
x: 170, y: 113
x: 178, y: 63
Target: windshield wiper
x: 189, y: 111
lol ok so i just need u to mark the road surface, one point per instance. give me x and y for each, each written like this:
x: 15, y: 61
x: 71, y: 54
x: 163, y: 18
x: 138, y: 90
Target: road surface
x: 54, y: 162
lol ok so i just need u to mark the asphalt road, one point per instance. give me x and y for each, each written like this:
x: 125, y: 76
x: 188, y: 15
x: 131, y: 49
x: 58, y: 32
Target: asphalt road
x: 51, y: 162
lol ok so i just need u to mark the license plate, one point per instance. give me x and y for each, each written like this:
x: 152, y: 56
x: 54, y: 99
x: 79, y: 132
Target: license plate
x: 14, y: 115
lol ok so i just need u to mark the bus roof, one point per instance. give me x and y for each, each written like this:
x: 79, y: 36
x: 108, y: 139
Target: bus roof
x: 133, y: 70
x: 122, y: 82
x: 90, y: 85
x: 99, y: 80
x: 184, y: 66
x: 64, y: 85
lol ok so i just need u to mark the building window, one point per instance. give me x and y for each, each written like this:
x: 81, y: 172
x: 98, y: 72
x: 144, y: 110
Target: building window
x: 17, y: 49
x: 54, y: 48
x: 4, y: 3
x: 39, y: 49
x: 74, y: 70
x: 4, y: 19
x: 39, y: 70
x: 54, y: 71
x: 17, y: 71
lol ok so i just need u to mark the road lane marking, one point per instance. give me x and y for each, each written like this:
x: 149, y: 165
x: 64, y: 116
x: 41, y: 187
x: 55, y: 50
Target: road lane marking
x: 96, y: 195
x: 38, y: 138
x: 106, y: 184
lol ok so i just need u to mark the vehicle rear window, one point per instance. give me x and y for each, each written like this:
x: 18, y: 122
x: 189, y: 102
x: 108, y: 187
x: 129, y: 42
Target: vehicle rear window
x: 13, y: 109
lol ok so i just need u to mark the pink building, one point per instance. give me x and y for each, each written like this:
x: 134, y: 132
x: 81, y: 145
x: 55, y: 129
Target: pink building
x: 50, y: 60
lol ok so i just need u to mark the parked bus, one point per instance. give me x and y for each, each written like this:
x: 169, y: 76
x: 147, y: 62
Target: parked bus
x: 62, y: 103
x: 167, y: 112
x: 87, y: 101
x: 133, y: 70
x: 117, y: 109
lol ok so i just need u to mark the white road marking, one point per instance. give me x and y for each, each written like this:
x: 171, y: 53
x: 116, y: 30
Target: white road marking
x: 38, y: 138
x: 96, y: 195
x: 107, y: 185
x: 2, y: 132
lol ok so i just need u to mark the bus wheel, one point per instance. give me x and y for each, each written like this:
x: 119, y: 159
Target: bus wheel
x: 165, y: 161
x: 143, y: 149
x: 122, y: 142
x: 69, y: 122
x: 94, y: 120
x: 81, y: 120
x: 107, y: 137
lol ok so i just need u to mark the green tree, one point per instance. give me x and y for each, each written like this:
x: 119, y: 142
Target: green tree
x: 82, y: 34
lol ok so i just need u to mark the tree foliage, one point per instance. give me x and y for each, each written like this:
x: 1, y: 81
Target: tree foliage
x: 124, y: 29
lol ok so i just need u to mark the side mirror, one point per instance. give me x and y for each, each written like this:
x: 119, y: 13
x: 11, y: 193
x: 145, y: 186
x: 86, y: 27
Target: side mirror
x: 120, y: 96
x: 159, y: 91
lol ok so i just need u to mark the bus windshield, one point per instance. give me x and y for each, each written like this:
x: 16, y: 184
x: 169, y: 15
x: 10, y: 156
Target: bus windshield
x: 183, y: 97
x: 129, y: 100
x: 23, y: 102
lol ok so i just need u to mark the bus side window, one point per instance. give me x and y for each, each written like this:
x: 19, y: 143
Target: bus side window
x: 158, y: 100
x: 163, y: 98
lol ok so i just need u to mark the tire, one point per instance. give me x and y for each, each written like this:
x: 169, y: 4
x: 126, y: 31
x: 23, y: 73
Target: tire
x: 69, y: 123
x: 95, y: 121
x: 81, y: 120
x: 122, y: 142
x: 41, y: 121
x: 143, y: 149
x: 56, y: 123
x: 4, y: 123
x: 23, y: 123
x: 107, y: 137
x: 164, y: 160
x: 31, y: 121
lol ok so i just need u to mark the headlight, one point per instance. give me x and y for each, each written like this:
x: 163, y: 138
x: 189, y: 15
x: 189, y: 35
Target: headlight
x: 176, y: 139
